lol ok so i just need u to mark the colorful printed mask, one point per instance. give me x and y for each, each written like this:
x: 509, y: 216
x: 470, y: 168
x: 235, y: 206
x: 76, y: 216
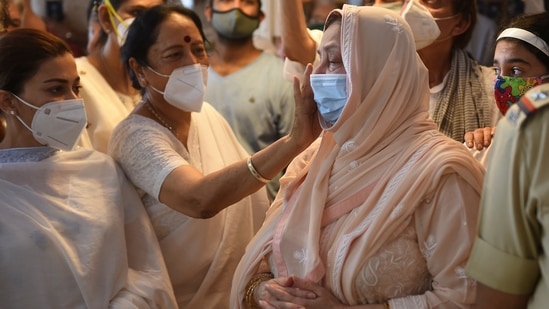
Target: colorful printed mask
x: 508, y: 90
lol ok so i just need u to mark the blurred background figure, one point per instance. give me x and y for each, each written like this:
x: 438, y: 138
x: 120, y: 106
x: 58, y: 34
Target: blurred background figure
x: 106, y: 87
x: 246, y: 84
x: 481, y: 45
x: 393, y: 5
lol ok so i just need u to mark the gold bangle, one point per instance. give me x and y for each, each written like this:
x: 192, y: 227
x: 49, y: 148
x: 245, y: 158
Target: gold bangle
x: 252, y: 285
x: 254, y: 172
x: 386, y: 305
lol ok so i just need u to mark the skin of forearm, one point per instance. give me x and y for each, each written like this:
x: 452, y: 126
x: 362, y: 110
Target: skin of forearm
x: 297, y: 44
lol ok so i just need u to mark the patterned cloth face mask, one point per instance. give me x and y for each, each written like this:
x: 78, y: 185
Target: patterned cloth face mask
x: 508, y: 90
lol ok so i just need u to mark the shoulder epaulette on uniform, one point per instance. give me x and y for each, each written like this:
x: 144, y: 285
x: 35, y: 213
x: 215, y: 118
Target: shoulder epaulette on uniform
x: 528, y: 104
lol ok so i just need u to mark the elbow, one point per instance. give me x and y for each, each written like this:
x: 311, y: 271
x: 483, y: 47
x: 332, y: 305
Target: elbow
x: 206, y: 214
x: 293, y: 54
x: 303, y: 52
x: 199, y: 209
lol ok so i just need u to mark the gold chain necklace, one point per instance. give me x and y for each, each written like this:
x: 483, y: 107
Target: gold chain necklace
x: 157, y: 116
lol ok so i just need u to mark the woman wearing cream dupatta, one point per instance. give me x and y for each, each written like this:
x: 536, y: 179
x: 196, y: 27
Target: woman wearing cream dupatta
x: 382, y: 210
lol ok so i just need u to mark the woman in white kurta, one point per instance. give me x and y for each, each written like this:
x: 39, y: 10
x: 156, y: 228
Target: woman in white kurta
x: 381, y: 211
x: 203, y: 191
x: 73, y: 231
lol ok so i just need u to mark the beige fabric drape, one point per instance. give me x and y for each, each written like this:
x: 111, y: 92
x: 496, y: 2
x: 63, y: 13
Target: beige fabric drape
x: 74, y: 234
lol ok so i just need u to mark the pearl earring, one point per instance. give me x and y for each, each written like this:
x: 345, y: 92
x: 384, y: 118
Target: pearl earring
x: 12, y: 112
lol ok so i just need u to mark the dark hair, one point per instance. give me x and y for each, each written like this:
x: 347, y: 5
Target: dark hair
x: 537, y: 24
x: 469, y: 10
x: 22, y: 51
x: 94, y: 4
x: 91, y: 9
x: 258, y: 1
x: 143, y: 33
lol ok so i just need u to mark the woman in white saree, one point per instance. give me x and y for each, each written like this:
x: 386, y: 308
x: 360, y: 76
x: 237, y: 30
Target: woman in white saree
x: 73, y: 231
x: 203, y: 192
x: 381, y: 211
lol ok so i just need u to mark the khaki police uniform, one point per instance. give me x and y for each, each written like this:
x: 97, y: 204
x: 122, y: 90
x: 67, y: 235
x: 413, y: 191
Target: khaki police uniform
x: 509, y: 253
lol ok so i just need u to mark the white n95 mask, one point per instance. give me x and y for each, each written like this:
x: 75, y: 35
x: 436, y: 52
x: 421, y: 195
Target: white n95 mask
x: 120, y: 25
x: 185, y: 88
x: 57, y: 124
x: 122, y: 30
x: 424, y: 27
x: 330, y: 95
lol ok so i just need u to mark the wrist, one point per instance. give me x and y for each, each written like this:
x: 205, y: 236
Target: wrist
x: 252, y: 286
x: 294, y: 144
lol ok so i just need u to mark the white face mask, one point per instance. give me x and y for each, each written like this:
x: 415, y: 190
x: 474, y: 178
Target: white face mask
x: 330, y: 95
x: 57, y: 124
x: 185, y: 88
x: 122, y: 30
x: 121, y: 25
x: 424, y: 26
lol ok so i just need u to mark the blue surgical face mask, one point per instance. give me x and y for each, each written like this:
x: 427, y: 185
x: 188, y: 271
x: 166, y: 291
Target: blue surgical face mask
x: 330, y: 94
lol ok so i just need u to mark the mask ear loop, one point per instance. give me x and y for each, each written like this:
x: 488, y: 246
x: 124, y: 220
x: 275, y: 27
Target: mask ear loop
x: 446, y: 17
x: 112, y: 15
x: 13, y: 113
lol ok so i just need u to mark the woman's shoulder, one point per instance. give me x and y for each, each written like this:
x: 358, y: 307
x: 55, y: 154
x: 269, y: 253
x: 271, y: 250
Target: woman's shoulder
x: 446, y: 155
x: 136, y: 124
x: 136, y: 129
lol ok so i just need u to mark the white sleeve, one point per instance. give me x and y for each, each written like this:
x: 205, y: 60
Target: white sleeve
x: 146, y: 152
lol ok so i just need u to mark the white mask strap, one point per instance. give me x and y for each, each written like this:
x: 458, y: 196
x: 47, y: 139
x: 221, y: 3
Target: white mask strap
x: 23, y: 123
x: 446, y: 18
x: 161, y: 92
x: 27, y: 104
x: 159, y: 74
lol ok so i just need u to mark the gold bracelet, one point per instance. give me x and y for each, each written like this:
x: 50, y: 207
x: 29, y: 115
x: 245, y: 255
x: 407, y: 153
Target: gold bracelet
x: 254, y: 172
x: 252, y: 285
x: 386, y: 305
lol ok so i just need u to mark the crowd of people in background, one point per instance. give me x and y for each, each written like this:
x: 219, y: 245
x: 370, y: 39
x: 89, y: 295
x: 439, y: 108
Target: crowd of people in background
x: 275, y: 154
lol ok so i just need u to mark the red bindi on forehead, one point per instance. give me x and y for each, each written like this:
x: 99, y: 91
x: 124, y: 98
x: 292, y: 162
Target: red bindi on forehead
x: 187, y: 39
